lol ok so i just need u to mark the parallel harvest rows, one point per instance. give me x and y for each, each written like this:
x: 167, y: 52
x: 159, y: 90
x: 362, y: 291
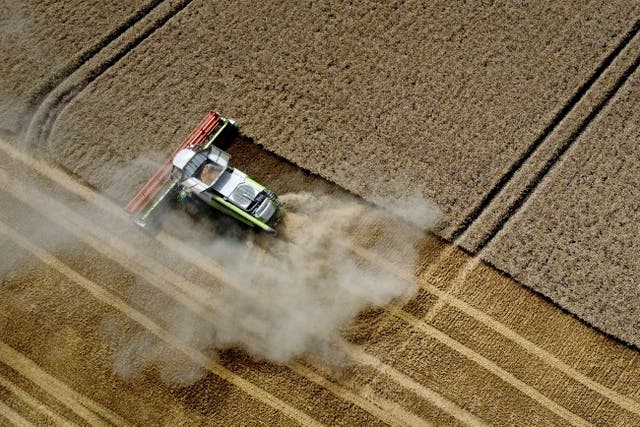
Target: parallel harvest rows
x: 392, y: 387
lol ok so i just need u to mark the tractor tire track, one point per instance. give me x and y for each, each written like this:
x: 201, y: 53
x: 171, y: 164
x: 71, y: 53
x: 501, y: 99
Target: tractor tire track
x: 446, y: 405
x: 494, y: 368
x: 82, y: 406
x: 392, y: 416
x: 34, y: 402
x: 564, y: 112
x: 54, y: 81
x: 93, y: 64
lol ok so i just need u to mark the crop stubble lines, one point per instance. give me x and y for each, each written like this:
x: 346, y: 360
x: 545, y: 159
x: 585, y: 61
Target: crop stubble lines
x: 33, y: 402
x: 115, y: 302
x: 92, y: 195
x: 10, y: 415
x: 197, y: 259
x: 492, y: 367
x: 62, y: 179
x: 625, y: 402
x: 469, y: 353
x: 161, y: 277
x: 390, y: 415
x: 164, y: 280
x: 85, y: 408
x: 458, y: 281
x: 359, y: 355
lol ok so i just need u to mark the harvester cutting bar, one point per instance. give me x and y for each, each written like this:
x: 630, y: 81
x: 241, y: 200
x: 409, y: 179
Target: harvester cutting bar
x: 159, y: 180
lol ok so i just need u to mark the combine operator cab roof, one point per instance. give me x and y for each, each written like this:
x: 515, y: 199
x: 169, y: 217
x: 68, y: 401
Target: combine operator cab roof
x: 160, y: 186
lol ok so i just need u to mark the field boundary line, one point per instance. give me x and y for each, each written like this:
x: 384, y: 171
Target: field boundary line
x: 34, y: 402
x: 91, y: 195
x: 622, y: 401
x: 109, y: 299
x: 10, y: 415
x: 81, y: 405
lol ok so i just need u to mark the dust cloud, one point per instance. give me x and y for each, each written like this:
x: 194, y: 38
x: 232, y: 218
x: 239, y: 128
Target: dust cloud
x: 295, y: 294
x: 289, y: 296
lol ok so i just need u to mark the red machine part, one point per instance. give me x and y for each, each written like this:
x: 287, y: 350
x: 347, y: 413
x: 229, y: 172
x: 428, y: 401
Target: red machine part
x: 149, y: 190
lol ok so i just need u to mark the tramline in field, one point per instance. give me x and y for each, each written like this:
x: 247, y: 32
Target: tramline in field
x: 200, y: 168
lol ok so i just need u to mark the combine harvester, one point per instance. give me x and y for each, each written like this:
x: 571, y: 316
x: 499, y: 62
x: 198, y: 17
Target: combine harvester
x: 200, y: 168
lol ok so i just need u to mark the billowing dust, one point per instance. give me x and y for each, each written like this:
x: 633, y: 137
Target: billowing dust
x: 291, y: 295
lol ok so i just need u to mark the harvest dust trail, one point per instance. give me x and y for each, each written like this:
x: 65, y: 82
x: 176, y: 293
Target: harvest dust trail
x: 12, y: 416
x: 154, y: 272
x: 631, y: 405
x: 198, y: 260
x: 167, y: 281
x: 33, y: 402
x: 81, y: 405
x: 205, y: 264
x: 115, y: 302
x: 383, y: 263
x: 623, y: 401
